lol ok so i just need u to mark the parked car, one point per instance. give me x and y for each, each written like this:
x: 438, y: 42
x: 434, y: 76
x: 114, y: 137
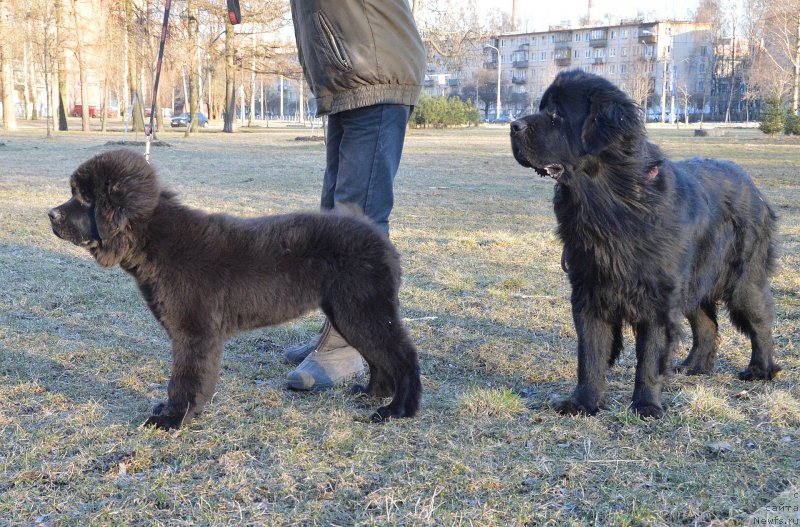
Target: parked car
x: 503, y: 119
x: 185, y: 118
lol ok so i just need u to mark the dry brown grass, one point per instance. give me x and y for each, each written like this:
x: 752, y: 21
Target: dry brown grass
x: 82, y: 361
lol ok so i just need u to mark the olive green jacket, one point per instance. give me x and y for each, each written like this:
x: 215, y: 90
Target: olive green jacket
x: 358, y: 53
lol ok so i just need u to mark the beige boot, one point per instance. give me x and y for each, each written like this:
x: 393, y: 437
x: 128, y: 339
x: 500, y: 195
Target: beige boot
x: 296, y: 354
x: 332, y: 362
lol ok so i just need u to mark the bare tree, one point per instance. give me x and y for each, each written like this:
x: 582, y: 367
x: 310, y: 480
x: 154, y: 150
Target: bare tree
x: 6, y: 69
x: 776, y: 39
x: 80, y: 58
x: 230, y: 88
x: 61, y: 64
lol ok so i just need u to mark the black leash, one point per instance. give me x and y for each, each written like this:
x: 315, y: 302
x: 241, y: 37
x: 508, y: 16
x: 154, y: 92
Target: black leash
x: 164, y: 30
x: 234, y: 15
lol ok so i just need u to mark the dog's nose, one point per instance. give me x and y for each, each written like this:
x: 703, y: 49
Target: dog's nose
x: 518, y: 126
x: 52, y: 214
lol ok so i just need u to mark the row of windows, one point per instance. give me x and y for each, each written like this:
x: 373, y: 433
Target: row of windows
x: 565, y: 37
x: 647, y: 51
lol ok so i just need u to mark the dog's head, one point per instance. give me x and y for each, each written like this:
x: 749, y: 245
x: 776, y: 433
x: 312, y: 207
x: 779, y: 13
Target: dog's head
x: 580, y: 115
x: 110, y: 192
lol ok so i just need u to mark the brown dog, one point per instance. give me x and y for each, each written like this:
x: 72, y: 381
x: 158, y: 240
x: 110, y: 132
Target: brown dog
x: 209, y: 276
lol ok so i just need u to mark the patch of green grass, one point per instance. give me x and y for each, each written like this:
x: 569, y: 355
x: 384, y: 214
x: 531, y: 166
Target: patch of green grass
x: 82, y: 361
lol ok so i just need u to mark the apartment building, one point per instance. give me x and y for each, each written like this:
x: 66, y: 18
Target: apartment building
x: 661, y: 64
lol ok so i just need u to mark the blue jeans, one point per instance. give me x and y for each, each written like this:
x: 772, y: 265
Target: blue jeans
x: 363, y: 153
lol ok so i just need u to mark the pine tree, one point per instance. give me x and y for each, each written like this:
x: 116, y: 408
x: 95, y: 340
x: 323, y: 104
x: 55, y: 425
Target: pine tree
x: 772, y: 118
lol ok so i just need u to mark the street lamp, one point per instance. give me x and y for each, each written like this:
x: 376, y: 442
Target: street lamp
x: 499, y: 68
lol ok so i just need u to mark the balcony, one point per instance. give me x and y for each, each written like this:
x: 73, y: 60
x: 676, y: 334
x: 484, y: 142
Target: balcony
x: 452, y: 82
x: 563, y: 60
x: 597, y: 60
x: 490, y: 64
x: 519, y: 80
x: 563, y: 40
x: 648, y: 34
x: 520, y: 64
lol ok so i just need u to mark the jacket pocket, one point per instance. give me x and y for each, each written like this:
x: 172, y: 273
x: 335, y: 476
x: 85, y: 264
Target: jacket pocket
x: 331, y: 44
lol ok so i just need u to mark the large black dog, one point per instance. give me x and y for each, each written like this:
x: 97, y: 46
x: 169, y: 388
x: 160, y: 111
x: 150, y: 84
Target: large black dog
x: 647, y: 241
x: 208, y: 276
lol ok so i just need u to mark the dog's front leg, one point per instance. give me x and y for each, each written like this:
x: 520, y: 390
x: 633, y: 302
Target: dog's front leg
x: 195, y: 370
x: 595, y: 344
x: 651, y: 349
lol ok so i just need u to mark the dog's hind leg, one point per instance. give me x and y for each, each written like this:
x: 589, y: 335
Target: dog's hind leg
x: 616, y: 344
x: 378, y: 334
x: 380, y: 383
x: 703, y: 321
x: 752, y: 311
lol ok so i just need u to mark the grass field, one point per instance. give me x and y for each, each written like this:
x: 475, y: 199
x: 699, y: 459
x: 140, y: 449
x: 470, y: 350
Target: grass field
x: 82, y: 361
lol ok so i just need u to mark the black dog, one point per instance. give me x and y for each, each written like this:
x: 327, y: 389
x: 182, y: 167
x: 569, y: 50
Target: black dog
x: 206, y: 277
x: 647, y: 241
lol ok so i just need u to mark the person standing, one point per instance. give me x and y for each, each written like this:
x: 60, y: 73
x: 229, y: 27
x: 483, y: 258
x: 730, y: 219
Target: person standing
x: 364, y: 61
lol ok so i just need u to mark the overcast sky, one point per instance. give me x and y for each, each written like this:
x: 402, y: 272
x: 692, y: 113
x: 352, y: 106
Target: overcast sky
x: 537, y: 15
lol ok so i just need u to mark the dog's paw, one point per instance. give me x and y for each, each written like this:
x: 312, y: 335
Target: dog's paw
x: 572, y: 406
x: 645, y: 410
x: 757, y: 373
x: 690, y: 368
x: 384, y: 413
x: 377, y: 392
x: 164, y: 420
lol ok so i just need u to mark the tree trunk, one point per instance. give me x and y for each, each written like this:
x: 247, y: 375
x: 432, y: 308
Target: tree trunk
x: 194, y: 66
x: 252, y: 116
x: 796, y: 91
x: 31, y: 76
x: 6, y: 71
x: 133, y: 69
x: 79, y: 56
x: 61, y: 66
x: 230, y: 90
x: 9, y: 110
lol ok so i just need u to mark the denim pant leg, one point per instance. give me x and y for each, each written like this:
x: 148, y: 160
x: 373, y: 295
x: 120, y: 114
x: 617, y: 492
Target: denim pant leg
x: 363, y: 154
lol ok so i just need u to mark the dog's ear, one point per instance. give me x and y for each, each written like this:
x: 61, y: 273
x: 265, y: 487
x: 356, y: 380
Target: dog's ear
x: 613, y: 120
x: 126, y: 190
x: 109, y: 213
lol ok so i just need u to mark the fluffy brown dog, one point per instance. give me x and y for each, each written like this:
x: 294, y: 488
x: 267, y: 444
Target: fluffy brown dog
x: 209, y: 276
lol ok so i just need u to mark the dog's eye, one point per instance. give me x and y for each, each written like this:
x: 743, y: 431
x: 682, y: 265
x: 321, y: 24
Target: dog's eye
x: 555, y: 118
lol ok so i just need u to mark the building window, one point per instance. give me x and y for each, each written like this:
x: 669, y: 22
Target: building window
x: 543, y: 56
x: 624, y: 52
x: 587, y: 53
x: 611, y: 69
x: 613, y: 34
x: 623, y: 33
x: 612, y: 52
x: 577, y: 37
x: 587, y: 36
x: 502, y: 42
x: 622, y: 69
x: 575, y: 54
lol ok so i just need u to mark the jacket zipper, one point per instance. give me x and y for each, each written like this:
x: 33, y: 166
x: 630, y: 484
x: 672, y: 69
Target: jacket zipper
x: 333, y: 41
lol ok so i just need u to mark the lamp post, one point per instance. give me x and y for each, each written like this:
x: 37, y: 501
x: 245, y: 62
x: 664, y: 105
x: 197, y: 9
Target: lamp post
x: 499, y: 68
